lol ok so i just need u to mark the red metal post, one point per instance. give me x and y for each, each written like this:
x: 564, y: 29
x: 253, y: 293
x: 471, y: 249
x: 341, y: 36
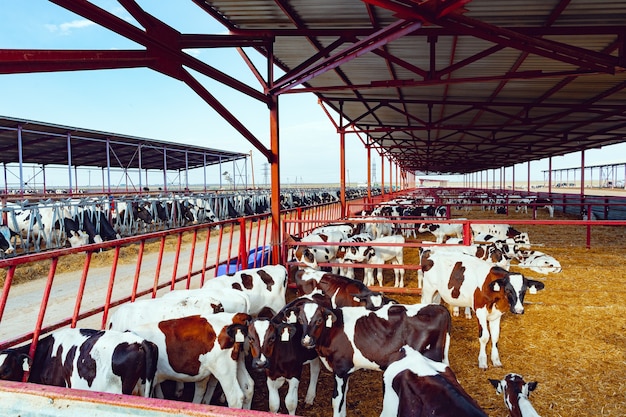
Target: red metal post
x: 157, y: 273
x: 107, y: 302
x: 191, y: 256
x: 179, y: 243
x: 133, y: 295
x: 205, y: 256
x: 81, y: 289
x: 342, y: 171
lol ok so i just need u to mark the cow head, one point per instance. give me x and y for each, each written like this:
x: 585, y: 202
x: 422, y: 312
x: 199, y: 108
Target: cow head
x: 373, y: 300
x: 313, y: 318
x: 514, y: 286
x: 513, y: 387
x: 260, y: 332
x: 13, y: 365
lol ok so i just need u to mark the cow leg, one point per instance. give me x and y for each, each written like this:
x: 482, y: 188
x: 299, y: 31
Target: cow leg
x: 291, y: 398
x: 339, y: 396
x: 199, y: 391
x: 314, y: 373
x: 273, y: 385
x: 246, y: 383
x: 369, y: 277
x: 228, y: 378
x: 494, y: 328
x: 468, y: 313
x: 483, y: 337
x: 379, y: 276
x: 210, y: 389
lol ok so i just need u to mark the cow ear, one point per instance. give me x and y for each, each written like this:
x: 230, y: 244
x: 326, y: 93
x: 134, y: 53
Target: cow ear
x: 537, y: 285
x: 497, y: 384
x: 369, y: 252
x: 237, y: 332
x: 286, y: 331
x: 532, y: 385
x: 496, y: 285
x: 330, y: 318
x: 26, y: 362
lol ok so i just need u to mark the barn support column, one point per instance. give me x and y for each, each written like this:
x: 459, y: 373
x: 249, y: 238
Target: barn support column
x: 550, y: 175
x: 186, y: 170
x: 275, y: 180
x: 139, y: 161
x: 513, y: 185
x: 75, y: 180
x: 69, y: 160
x: 6, y: 184
x: 220, y: 176
x: 164, y: 169
x: 108, y: 149
x: 369, y: 174
x: 528, y: 177
x: 390, y: 175
x: 20, y: 157
x: 43, y: 172
x: 204, y: 169
x: 382, y: 175
x: 342, y: 171
x: 582, y: 172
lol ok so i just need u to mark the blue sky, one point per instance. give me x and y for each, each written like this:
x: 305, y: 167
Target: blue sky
x: 144, y: 103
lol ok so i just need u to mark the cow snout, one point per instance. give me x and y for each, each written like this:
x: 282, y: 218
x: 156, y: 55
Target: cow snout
x: 308, y: 342
x: 517, y: 309
x: 260, y: 363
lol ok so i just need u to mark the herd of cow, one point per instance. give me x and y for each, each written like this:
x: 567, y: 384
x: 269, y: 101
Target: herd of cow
x: 204, y: 336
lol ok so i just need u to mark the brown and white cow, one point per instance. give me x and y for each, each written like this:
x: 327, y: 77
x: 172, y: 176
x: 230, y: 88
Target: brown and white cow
x: 416, y: 386
x: 466, y: 281
x: 196, y: 348
x: 351, y: 338
x: 516, y: 392
x: 339, y: 290
x: 96, y: 360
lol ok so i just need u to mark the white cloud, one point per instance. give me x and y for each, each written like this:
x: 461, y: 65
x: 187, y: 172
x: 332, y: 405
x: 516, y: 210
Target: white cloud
x: 67, y: 27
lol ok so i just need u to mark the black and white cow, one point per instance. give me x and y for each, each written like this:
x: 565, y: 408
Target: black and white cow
x: 416, y: 386
x: 351, y: 338
x: 516, y: 392
x: 97, y: 360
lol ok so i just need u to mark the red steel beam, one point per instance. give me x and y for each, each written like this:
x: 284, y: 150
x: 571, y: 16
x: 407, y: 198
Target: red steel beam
x: 382, y: 37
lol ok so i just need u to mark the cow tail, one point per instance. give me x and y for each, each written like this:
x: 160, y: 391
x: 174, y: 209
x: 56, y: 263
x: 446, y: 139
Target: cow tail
x: 151, y: 357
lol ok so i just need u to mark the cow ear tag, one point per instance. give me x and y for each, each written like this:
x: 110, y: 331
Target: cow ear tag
x: 329, y: 321
x: 25, y: 366
x: 239, y: 336
x: 496, y: 287
x: 284, y: 336
x: 532, y: 290
x: 356, y: 299
x: 291, y: 319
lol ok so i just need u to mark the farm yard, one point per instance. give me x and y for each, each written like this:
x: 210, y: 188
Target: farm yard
x: 570, y: 340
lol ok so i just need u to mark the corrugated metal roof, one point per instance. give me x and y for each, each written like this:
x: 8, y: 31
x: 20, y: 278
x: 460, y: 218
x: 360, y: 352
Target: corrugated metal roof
x: 47, y: 144
x: 529, y: 79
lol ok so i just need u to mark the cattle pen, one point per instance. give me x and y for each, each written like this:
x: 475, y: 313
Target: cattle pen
x: 571, y: 330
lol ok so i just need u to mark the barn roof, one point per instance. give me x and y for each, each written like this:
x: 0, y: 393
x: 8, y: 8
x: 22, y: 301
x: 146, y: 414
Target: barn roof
x: 441, y: 86
x: 46, y: 144
x: 454, y: 86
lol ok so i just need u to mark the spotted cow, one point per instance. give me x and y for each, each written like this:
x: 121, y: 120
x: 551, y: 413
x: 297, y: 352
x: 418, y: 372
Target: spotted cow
x: 351, y: 338
x: 516, y: 392
x: 466, y: 281
x: 197, y: 347
x: 416, y: 386
x: 96, y: 360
